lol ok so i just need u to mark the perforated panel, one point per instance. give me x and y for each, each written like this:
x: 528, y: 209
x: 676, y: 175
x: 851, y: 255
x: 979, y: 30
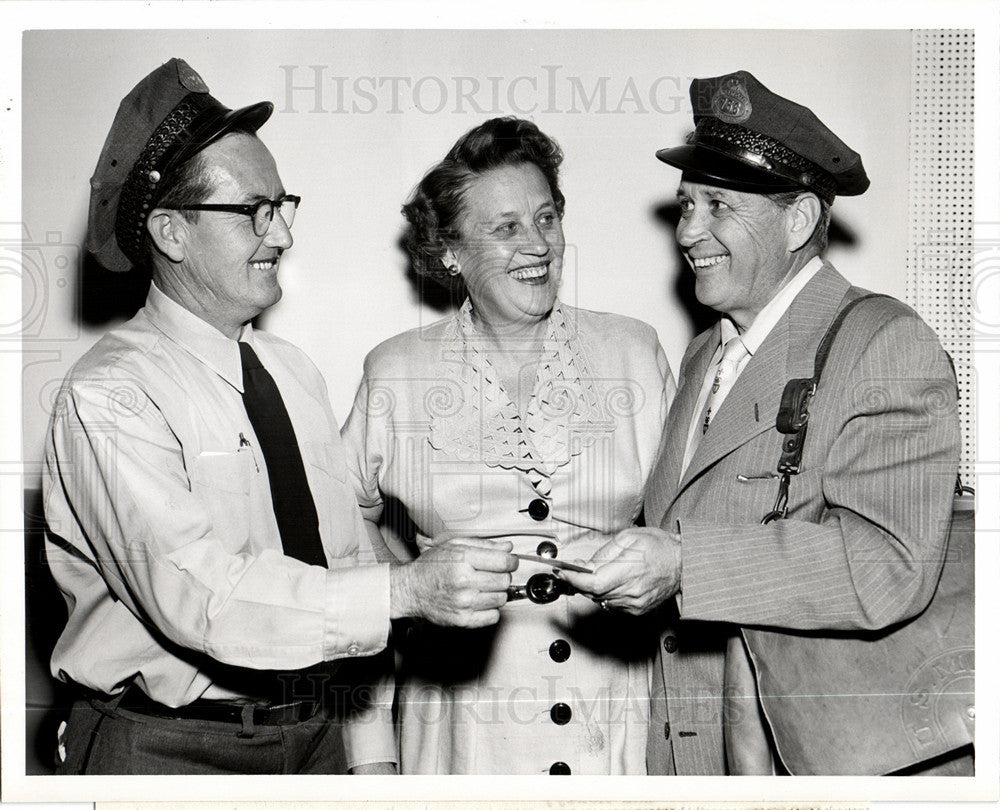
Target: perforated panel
x: 940, y: 259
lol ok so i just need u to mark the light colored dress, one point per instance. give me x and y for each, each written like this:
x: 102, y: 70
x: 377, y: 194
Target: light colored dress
x: 557, y: 688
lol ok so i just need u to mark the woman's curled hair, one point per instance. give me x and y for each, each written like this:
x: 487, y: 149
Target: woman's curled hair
x: 434, y: 209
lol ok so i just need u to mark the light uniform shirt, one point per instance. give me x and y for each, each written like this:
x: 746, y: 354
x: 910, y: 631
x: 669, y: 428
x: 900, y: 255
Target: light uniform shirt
x: 162, y: 533
x: 755, y: 334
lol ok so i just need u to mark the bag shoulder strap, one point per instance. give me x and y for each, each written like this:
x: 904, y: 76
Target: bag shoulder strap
x: 793, y: 413
x: 823, y: 350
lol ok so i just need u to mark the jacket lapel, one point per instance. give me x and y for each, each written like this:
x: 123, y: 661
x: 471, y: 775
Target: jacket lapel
x: 752, y: 405
x: 666, y: 471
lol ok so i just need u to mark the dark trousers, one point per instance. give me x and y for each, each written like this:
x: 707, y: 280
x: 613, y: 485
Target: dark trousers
x: 102, y: 738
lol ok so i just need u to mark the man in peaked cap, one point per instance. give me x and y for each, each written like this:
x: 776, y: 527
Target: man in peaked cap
x: 787, y: 645
x: 199, y: 519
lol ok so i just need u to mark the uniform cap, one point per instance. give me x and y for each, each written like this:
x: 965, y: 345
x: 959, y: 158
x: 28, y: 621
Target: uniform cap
x: 751, y: 139
x: 166, y: 119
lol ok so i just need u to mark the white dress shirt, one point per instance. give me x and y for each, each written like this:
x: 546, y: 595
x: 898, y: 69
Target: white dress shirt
x: 162, y: 536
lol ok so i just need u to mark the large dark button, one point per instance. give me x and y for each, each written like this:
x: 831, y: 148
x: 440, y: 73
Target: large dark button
x: 538, y: 509
x: 670, y: 643
x: 547, y: 549
x: 559, y: 769
x: 559, y: 650
x: 561, y: 714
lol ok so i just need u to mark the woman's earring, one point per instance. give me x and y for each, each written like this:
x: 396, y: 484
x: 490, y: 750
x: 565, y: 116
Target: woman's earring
x: 454, y: 270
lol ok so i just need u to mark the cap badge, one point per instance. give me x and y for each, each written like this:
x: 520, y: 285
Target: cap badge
x: 731, y: 102
x: 189, y: 79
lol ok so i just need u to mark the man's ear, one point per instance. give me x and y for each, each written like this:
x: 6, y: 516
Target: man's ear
x: 804, y: 217
x: 166, y: 230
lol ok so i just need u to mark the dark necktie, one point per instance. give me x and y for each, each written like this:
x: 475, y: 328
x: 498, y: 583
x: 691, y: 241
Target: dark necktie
x: 293, y: 504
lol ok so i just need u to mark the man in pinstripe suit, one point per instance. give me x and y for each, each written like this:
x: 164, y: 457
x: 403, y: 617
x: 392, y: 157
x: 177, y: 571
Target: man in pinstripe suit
x: 786, y: 646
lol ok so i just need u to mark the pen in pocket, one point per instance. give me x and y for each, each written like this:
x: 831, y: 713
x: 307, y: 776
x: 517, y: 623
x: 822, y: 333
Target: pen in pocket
x: 245, y: 445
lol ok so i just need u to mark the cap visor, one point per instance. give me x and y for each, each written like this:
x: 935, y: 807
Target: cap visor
x: 248, y: 119
x: 704, y: 165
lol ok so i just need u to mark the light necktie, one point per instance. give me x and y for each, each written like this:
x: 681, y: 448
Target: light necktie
x: 293, y: 504
x: 725, y: 375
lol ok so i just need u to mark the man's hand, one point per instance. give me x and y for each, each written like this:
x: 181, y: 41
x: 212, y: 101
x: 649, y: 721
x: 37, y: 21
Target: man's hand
x: 636, y: 571
x: 461, y: 583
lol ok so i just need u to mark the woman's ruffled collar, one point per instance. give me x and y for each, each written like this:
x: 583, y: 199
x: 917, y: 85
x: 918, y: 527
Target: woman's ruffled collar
x: 565, y: 414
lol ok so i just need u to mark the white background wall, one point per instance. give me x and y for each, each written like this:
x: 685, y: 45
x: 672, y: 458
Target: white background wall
x: 391, y: 103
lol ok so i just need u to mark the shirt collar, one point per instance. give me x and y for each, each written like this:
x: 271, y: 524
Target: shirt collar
x: 769, y: 316
x: 199, y: 338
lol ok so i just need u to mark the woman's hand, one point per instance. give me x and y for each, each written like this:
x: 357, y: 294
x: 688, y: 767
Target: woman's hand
x: 636, y: 571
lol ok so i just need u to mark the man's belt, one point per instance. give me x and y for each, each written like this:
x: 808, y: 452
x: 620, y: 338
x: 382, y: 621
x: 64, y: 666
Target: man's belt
x: 222, y: 711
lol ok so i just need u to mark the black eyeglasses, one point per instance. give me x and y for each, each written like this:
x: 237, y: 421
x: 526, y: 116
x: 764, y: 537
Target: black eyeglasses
x: 260, y: 213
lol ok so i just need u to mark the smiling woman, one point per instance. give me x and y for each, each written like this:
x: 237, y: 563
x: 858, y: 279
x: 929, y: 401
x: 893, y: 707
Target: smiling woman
x: 519, y: 418
x: 510, y: 248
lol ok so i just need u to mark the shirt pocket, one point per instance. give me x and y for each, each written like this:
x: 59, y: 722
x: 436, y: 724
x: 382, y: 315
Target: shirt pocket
x: 228, y: 472
x: 222, y: 481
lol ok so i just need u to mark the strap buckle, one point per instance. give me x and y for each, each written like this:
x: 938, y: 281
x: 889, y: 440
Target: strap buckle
x: 780, y: 510
x: 792, y: 420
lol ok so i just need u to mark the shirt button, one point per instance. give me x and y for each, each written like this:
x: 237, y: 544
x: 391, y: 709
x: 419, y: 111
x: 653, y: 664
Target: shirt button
x: 561, y: 714
x: 538, y: 509
x: 547, y: 549
x: 354, y: 649
x: 666, y: 731
x: 559, y: 650
x: 559, y: 769
x: 670, y: 643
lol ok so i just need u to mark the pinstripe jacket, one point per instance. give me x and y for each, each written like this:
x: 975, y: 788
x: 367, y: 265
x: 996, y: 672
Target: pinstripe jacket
x: 819, y: 597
